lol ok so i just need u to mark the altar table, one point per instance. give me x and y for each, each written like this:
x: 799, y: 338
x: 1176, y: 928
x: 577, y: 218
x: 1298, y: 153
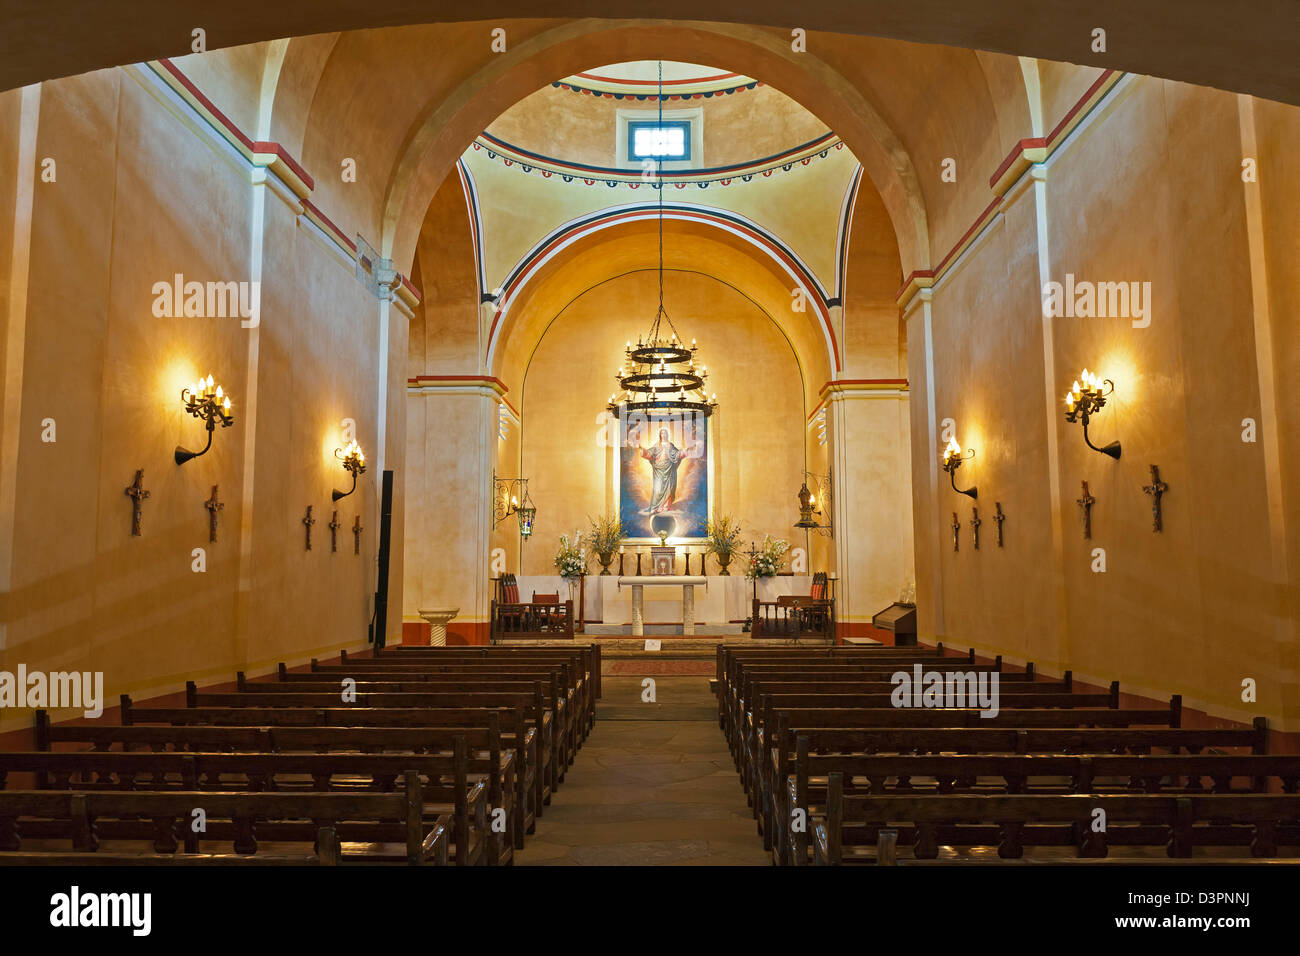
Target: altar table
x: 639, y: 583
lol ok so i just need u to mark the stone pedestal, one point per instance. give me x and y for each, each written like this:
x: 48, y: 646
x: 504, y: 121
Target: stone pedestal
x: 438, y: 619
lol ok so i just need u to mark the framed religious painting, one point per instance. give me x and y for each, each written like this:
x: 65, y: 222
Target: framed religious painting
x: 665, y: 477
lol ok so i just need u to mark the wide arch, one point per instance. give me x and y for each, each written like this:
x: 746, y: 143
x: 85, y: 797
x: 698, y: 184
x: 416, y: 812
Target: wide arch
x: 446, y: 129
x: 631, y: 245
x: 1196, y: 41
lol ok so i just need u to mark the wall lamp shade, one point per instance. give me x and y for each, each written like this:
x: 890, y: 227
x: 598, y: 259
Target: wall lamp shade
x: 1084, y: 401
x: 354, y: 463
x: 209, y: 403
x: 952, y: 460
x: 506, y: 501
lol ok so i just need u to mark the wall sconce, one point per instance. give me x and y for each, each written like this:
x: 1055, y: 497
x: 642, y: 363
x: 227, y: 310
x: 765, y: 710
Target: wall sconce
x: 808, y: 502
x: 510, y: 497
x: 354, y: 462
x: 211, y: 405
x: 1082, y: 403
x: 952, y: 459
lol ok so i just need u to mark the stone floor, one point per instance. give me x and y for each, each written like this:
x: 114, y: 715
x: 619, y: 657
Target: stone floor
x: 653, y: 785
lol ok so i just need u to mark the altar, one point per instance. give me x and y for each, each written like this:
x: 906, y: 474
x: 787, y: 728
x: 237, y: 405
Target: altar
x: 721, y: 605
x: 664, y: 589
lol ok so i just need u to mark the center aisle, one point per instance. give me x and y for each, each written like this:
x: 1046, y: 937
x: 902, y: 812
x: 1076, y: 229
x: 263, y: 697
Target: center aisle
x: 649, y: 791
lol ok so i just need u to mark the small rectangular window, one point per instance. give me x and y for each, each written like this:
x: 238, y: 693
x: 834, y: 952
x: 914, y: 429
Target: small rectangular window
x: 669, y: 140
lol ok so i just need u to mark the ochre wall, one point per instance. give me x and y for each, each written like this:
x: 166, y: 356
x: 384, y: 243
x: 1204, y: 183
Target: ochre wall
x: 140, y: 195
x: 758, y: 431
x: 1149, y: 189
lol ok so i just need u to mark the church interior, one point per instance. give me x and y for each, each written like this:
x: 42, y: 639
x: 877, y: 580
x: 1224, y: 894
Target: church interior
x: 862, y: 435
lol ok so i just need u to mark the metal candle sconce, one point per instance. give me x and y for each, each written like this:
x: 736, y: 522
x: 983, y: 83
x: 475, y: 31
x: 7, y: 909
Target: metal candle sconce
x: 209, y: 403
x: 354, y: 463
x: 1083, y: 402
x: 952, y: 459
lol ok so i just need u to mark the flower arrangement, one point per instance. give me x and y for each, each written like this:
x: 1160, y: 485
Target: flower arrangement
x: 767, y: 562
x: 571, y: 559
x: 723, y: 536
x: 606, y: 534
x: 722, y: 539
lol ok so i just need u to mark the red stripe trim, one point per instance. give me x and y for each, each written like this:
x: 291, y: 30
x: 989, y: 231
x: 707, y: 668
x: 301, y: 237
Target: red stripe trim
x: 263, y: 146
x: 307, y: 204
x: 1083, y: 101
x: 1034, y: 143
x: 912, y: 276
x: 484, y: 379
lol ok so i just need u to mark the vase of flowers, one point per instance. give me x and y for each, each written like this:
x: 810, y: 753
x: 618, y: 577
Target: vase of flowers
x: 722, y: 539
x: 767, y: 561
x: 571, y: 559
x: 605, y: 536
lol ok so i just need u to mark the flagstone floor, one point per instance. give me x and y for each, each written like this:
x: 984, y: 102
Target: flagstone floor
x: 653, y: 785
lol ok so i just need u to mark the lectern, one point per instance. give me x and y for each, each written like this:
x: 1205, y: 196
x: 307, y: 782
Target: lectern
x: 899, y: 620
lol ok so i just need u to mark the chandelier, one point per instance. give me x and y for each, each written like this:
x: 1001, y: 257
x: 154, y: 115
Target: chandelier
x: 660, y: 372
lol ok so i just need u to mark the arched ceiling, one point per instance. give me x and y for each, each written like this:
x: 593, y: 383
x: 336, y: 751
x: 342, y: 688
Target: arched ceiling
x: 1246, y: 48
x: 633, y: 246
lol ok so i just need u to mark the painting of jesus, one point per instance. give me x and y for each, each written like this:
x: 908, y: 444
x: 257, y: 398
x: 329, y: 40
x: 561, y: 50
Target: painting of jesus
x: 664, y: 479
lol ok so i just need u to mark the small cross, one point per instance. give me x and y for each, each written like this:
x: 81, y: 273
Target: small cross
x: 1086, y: 503
x: 975, y: 523
x: 356, y: 534
x: 956, y: 532
x: 308, y: 521
x: 1156, y: 490
x: 213, y: 506
x: 999, y: 517
x: 138, y: 495
x: 334, y: 526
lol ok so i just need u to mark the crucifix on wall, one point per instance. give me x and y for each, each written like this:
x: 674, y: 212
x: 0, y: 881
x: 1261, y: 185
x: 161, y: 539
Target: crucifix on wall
x: 308, y: 521
x: 1086, y: 503
x: 975, y: 523
x: 137, y: 495
x: 1156, y: 490
x: 999, y: 517
x: 214, y: 506
x: 334, y: 526
x: 956, y: 532
x: 356, y: 535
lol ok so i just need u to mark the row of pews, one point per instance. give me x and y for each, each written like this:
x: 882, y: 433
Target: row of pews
x: 414, y: 756
x: 837, y: 774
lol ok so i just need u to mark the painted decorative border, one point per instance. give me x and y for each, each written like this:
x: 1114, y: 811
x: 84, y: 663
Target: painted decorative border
x: 549, y: 167
x: 666, y: 97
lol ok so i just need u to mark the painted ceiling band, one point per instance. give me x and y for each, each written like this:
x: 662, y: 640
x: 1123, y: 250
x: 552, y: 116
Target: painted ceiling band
x: 572, y: 232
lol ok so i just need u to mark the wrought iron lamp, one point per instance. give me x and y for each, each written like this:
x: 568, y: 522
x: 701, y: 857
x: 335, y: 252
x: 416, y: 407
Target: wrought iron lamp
x: 209, y: 403
x: 952, y: 459
x: 354, y: 462
x: 809, y: 500
x: 1083, y: 402
x: 510, y: 497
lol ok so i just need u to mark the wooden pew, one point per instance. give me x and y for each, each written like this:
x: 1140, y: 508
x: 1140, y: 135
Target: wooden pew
x: 526, y: 725
x: 488, y: 760
x: 465, y: 804
x: 84, y: 818
x: 1019, y: 774
x: 1263, y: 822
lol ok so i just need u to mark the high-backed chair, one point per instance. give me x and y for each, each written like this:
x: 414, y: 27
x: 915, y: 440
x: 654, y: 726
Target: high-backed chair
x: 797, y: 615
x: 543, y: 617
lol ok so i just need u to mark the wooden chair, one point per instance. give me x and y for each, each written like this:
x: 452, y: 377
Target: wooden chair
x: 544, y: 617
x: 797, y: 615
